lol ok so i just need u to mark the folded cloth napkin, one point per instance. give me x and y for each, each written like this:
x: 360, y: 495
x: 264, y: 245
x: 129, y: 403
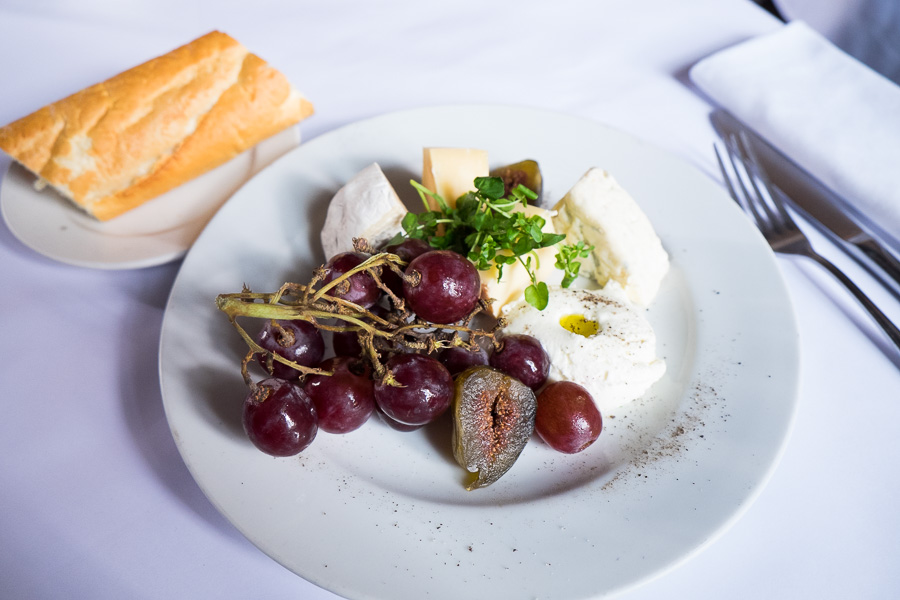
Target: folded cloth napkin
x: 831, y: 114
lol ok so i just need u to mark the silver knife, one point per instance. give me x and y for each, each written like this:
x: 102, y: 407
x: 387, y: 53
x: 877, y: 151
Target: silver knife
x: 817, y: 203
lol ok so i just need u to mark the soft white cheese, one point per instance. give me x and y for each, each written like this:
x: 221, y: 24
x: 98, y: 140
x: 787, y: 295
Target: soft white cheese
x: 617, y: 364
x: 626, y: 248
x: 366, y: 207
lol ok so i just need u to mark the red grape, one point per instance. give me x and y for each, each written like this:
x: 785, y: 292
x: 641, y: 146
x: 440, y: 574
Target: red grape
x: 407, y: 250
x: 426, y: 391
x: 522, y: 357
x: 458, y: 359
x: 567, y: 418
x: 298, y: 341
x: 448, y: 289
x: 362, y: 289
x: 346, y: 343
x: 344, y: 400
x: 397, y: 425
x: 279, y: 417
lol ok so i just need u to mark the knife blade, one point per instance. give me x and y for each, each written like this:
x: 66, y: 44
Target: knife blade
x: 817, y: 203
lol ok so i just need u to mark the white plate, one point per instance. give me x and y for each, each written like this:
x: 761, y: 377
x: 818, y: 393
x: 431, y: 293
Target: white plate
x: 152, y: 234
x: 382, y: 514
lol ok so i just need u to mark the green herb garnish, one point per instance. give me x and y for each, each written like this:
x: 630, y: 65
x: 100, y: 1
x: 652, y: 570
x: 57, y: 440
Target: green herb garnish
x: 567, y: 260
x: 485, y: 227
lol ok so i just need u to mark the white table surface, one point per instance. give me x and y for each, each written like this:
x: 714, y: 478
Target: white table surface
x: 96, y: 502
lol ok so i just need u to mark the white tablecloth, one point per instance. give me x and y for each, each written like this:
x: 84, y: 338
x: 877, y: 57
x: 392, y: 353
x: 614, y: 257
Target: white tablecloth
x: 96, y: 502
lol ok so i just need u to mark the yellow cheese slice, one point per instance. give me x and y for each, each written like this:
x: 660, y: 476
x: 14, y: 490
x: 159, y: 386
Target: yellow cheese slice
x: 515, y: 278
x: 450, y: 172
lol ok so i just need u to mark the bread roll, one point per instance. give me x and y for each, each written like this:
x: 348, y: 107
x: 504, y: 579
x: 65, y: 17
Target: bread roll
x: 117, y: 144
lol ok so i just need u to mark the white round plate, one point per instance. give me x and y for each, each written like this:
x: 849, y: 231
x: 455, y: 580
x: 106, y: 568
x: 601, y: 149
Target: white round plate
x: 382, y: 514
x: 152, y: 234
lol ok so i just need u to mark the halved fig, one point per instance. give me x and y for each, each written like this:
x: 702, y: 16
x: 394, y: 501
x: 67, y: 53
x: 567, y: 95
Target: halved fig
x: 493, y: 418
x: 526, y: 172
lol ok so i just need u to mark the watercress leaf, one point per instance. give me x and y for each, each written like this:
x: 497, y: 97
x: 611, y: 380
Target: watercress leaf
x: 521, y: 246
x: 551, y: 239
x: 409, y: 222
x: 538, y: 295
x: 492, y: 187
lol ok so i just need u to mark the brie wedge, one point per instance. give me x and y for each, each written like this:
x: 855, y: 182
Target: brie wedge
x: 366, y: 207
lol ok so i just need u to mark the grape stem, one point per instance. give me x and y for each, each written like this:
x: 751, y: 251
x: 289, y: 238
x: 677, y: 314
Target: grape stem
x: 400, y: 330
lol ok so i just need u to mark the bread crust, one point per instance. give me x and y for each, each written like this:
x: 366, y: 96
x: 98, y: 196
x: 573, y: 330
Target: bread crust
x: 119, y: 143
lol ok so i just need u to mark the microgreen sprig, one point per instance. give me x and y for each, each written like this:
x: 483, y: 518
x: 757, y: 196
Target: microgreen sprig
x: 486, y: 227
x: 567, y: 260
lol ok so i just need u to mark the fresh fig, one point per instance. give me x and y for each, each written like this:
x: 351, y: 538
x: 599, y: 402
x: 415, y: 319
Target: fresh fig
x: 526, y: 172
x: 493, y: 419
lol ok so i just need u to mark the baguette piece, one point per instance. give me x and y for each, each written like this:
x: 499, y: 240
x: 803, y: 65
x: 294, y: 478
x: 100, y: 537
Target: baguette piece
x: 117, y: 144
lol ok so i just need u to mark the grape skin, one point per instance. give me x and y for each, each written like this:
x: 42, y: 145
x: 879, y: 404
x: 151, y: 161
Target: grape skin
x: 448, y: 289
x: 406, y: 250
x: 279, y: 418
x: 523, y: 357
x: 303, y: 341
x: 344, y: 400
x: 363, y: 290
x: 458, y: 359
x: 426, y: 391
x: 567, y: 418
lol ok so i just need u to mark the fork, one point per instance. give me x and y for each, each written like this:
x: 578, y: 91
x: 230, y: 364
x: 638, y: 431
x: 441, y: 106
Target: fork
x: 768, y: 212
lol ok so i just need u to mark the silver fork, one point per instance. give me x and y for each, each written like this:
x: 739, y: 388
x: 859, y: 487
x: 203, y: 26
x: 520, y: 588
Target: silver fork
x: 774, y: 222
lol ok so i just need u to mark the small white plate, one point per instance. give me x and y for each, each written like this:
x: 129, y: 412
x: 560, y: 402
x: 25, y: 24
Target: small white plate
x: 382, y: 514
x: 154, y: 233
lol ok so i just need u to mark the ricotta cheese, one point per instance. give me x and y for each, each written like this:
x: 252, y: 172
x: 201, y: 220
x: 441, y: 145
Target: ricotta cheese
x: 626, y: 248
x: 367, y: 207
x: 594, y: 338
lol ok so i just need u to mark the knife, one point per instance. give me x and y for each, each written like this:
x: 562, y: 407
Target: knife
x: 817, y: 203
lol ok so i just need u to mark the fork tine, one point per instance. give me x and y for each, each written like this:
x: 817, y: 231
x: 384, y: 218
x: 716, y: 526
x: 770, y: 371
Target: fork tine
x: 781, y: 215
x: 748, y: 201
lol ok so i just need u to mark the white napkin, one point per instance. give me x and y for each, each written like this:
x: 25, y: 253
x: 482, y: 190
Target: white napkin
x: 831, y: 114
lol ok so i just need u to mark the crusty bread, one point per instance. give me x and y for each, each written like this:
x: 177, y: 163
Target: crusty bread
x: 117, y: 144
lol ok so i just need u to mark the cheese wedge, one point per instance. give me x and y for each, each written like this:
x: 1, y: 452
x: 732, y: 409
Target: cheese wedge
x: 366, y: 207
x: 450, y: 172
x: 626, y: 248
x: 515, y: 278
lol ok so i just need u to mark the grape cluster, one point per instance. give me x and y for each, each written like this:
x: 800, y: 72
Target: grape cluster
x: 400, y: 323
x: 391, y: 317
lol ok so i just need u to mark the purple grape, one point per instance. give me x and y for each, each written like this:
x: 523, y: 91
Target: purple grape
x: 567, y: 418
x: 522, y: 357
x: 279, y: 418
x: 458, y: 359
x: 346, y: 343
x: 396, y: 425
x: 297, y: 341
x: 449, y: 287
x: 344, y: 400
x: 426, y: 391
x: 407, y: 250
x: 363, y: 289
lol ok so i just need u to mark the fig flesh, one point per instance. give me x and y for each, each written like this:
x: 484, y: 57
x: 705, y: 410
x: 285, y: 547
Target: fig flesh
x: 526, y: 172
x: 493, y: 419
